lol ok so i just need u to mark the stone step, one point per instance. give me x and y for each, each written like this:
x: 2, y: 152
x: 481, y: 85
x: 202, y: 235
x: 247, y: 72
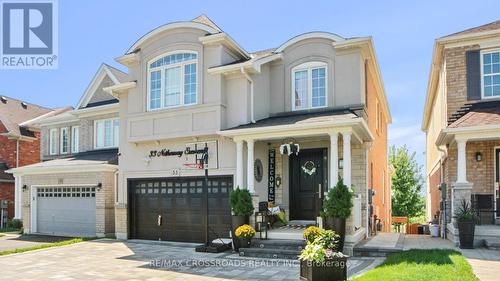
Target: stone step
x: 269, y: 253
x: 373, y: 252
x: 283, y: 244
x: 492, y: 244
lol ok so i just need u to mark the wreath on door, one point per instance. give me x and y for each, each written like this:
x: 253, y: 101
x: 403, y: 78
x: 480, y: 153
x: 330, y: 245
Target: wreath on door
x: 309, y: 168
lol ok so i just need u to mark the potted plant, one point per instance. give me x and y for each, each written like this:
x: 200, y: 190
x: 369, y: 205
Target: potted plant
x: 320, y: 259
x: 241, y: 210
x: 465, y: 217
x: 245, y: 233
x: 337, y: 207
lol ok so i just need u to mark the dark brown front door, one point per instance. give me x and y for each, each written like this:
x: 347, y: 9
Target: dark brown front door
x: 174, y: 209
x: 307, y: 181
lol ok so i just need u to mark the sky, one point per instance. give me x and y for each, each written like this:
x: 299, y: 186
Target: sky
x: 92, y: 32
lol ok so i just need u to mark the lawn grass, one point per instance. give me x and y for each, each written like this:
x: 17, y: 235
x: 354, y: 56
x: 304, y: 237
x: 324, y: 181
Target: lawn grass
x: 2, y: 235
x: 422, y: 265
x: 9, y: 229
x: 44, y: 246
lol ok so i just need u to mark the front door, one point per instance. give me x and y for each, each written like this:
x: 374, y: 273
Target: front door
x: 307, y: 181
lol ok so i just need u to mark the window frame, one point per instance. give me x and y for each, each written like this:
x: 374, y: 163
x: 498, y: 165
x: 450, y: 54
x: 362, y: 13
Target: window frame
x: 162, y: 69
x: 309, y: 66
x: 75, y: 139
x: 481, y: 55
x: 113, y: 145
x: 52, y: 140
x: 61, y: 140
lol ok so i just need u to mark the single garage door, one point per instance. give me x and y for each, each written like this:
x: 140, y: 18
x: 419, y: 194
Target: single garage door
x: 174, y: 209
x: 66, y: 211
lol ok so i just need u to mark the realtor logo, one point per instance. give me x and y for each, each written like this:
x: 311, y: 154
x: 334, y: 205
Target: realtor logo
x: 28, y: 34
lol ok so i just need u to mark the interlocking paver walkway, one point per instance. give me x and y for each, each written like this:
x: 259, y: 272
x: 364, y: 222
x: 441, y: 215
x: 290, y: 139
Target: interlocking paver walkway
x: 117, y: 260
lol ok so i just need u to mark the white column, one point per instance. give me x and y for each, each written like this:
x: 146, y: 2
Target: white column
x: 461, y: 161
x: 334, y: 160
x: 18, y: 197
x: 347, y: 158
x: 250, y: 166
x: 239, y: 163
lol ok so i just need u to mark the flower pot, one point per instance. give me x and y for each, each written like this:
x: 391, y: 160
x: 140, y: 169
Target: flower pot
x: 244, y: 242
x: 329, y: 270
x: 236, y: 222
x: 337, y: 225
x: 466, y: 234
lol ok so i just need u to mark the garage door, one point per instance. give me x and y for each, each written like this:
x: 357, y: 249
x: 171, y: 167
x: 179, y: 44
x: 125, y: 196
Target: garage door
x: 66, y: 211
x: 174, y: 209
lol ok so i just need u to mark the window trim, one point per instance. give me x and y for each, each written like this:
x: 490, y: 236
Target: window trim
x: 481, y: 54
x: 112, y: 133
x: 308, y: 66
x: 61, y: 146
x: 51, y: 141
x: 162, y: 76
x: 75, y: 147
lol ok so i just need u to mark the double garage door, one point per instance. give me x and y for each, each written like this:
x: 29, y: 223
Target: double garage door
x: 174, y: 209
x: 66, y: 211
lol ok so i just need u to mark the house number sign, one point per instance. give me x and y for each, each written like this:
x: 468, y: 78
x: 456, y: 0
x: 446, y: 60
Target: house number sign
x: 271, y: 182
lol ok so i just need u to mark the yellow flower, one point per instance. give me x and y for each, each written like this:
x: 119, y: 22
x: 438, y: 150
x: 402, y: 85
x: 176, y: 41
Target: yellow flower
x: 245, y: 231
x: 311, y: 233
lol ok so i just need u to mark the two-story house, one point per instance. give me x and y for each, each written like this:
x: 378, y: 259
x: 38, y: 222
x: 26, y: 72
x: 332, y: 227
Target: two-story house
x: 72, y: 191
x: 285, y: 123
x: 462, y: 124
x: 19, y: 145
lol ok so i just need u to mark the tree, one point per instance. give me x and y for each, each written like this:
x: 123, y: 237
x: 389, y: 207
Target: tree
x: 406, y: 183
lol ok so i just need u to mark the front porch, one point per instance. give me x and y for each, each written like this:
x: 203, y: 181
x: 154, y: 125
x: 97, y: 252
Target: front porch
x: 319, y: 150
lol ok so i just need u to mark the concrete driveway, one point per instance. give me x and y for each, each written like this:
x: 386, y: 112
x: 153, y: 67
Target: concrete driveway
x: 133, y: 260
x: 12, y: 241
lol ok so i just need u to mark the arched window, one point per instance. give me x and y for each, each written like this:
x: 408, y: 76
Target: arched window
x: 309, y: 86
x: 172, y: 81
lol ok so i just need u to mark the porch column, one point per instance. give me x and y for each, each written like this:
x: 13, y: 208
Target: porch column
x: 239, y: 163
x: 334, y: 160
x: 250, y: 166
x: 18, y: 193
x: 347, y: 158
x: 461, y: 161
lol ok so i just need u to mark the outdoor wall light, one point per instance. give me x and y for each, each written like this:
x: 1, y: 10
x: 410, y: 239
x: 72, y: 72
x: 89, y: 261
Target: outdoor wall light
x: 278, y: 181
x: 99, y: 186
x: 479, y: 156
x: 341, y: 163
x: 25, y: 187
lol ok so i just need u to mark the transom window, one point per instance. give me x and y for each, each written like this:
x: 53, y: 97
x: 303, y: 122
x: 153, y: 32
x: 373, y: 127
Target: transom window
x: 491, y: 75
x: 172, y: 81
x: 106, y: 133
x: 309, y: 85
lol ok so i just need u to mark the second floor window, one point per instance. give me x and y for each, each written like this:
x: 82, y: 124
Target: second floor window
x: 75, y: 139
x: 309, y: 85
x: 53, y: 141
x: 172, y: 81
x: 491, y: 75
x: 106, y: 133
x: 64, y: 141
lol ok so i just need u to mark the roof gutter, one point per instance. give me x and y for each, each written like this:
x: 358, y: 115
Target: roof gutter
x: 252, y: 117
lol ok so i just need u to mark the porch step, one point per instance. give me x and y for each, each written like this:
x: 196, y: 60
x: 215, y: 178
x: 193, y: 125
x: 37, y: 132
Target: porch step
x: 492, y: 244
x: 274, y: 249
x: 373, y: 252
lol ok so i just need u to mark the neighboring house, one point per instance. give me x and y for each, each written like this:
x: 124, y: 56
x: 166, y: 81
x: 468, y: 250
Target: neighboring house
x: 462, y: 125
x: 19, y: 143
x: 190, y: 85
x: 72, y: 192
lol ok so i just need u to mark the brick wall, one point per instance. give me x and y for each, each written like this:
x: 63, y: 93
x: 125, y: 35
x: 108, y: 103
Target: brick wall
x: 456, y: 77
x: 7, y: 193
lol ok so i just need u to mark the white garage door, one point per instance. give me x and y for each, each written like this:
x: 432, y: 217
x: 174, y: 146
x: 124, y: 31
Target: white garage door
x: 66, y: 211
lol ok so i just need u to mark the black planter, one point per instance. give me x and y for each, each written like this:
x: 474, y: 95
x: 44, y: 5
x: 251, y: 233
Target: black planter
x: 466, y: 234
x: 244, y: 242
x: 236, y: 222
x: 331, y: 270
x: 337, y: 225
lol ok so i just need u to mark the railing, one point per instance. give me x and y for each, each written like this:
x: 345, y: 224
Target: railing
x: 483, y: 205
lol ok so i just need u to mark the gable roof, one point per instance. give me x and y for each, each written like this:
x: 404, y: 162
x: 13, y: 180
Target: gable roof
x: 117, y: 76
x: 485, y: 27
x: 14, y: 112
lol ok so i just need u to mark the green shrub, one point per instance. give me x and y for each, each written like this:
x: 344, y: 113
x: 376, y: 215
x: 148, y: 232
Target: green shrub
x: 241, y: 202
x: 15, y: 223
x: 338, y: 202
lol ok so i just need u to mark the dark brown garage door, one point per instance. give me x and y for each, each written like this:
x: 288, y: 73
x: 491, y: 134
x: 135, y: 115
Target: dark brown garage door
x: 174, y: 209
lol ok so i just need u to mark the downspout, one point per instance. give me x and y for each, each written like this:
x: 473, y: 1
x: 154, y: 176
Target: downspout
x: 252, y: 117
x: 17, y: 153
